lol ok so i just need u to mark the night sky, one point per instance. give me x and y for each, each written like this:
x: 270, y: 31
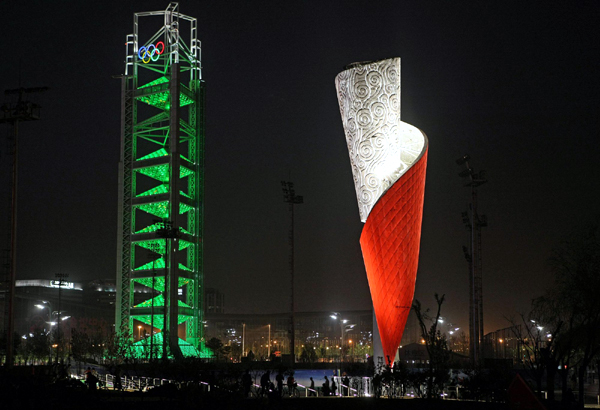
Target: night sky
x: 513, y: 84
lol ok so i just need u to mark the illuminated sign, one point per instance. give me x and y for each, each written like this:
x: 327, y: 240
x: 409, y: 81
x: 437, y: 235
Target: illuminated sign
x: 151, y: 52
x: 63, y: 284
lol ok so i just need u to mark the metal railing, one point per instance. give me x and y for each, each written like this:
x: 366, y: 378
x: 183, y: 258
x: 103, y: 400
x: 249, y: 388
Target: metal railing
x: 135, y: 383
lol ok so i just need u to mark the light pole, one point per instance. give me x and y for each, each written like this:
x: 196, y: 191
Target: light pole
x: 47, y: 305
x: 56, y: 319
x: 344, y: 327
x: 269, y: 344
x: 290, y: 197
x: 243, y: 339
x: 14, y: 113
x: 60, y: 277
x: 352, y: 355
x: 53, y: 319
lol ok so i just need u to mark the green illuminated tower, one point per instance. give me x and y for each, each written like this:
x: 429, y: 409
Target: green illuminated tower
x: 161, y: 191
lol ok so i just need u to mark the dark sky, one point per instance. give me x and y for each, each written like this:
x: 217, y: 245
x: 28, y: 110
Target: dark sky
x: 515, y: 84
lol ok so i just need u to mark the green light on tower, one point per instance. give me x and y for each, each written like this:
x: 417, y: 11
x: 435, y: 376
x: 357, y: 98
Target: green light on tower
x: 160, y: 256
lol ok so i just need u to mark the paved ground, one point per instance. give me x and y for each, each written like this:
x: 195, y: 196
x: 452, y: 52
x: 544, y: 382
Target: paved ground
x: 148, y: 403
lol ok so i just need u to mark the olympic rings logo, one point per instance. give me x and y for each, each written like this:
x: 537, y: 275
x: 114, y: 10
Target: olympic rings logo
x: 151, y: 52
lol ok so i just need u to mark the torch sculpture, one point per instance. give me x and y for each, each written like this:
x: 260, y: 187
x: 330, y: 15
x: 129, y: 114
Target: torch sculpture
x: 388, y: 159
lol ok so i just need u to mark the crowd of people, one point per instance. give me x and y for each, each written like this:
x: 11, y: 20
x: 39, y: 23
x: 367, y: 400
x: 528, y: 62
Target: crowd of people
x: 275, y: 389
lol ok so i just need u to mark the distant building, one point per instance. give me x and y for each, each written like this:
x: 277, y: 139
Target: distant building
x: 412, y: 332
x: 459, y: 343
x: 315, y: 329
x: 89, y: 306
x: 214, y: 301
x: 415, y: 355
x: 503, y: 344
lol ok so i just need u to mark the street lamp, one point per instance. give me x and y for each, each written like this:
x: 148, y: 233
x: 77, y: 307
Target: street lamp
x: 502, y: 348
x: 352, y: 355
x: 344, y: 327
x: 61, y: 277
x: 47, y: 305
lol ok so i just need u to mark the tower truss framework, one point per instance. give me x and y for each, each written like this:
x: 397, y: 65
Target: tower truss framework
x: 162, y: 187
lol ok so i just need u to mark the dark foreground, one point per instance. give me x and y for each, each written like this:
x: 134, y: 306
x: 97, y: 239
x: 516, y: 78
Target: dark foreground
x: 114, y: 400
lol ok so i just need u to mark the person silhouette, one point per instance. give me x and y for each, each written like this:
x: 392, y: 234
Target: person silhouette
x: 326, y: 387
x: 246, y: 383
x: 291, y: 383
x: 279, y: 379
x: 264, y: 382
x: 346, y: 383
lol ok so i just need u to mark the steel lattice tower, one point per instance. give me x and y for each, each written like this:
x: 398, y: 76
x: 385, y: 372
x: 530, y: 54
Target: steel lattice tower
x: 474, y: 223
x: 162, y: 186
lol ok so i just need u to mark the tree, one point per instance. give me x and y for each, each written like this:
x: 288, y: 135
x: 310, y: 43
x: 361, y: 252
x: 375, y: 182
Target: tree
x: 226, y: 352
x: 216, y: 346
x: 236, y: 350
x: 576, y: 265
x: 118, y: 348
x: 80, y: 344
x: 532, y: 342
x: 16, y: 340
x: 322, y: 352
x: 309, y: 353
x: 436, y: 345
x: 562, y: 330
x: 38, y: 345
x: 559, y: 351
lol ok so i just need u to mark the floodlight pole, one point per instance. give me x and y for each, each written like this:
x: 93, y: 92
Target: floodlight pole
x: 290, y: 197
x: 474, y: 223
x: 13, y: 114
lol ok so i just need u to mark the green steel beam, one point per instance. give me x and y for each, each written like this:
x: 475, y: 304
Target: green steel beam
x: 159, y: 249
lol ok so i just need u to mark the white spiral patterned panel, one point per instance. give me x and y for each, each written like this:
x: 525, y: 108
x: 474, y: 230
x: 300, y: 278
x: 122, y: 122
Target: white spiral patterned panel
x: 381, y: 147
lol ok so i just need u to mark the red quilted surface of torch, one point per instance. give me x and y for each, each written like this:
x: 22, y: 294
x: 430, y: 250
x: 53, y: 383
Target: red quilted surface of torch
x: 390, y: 245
